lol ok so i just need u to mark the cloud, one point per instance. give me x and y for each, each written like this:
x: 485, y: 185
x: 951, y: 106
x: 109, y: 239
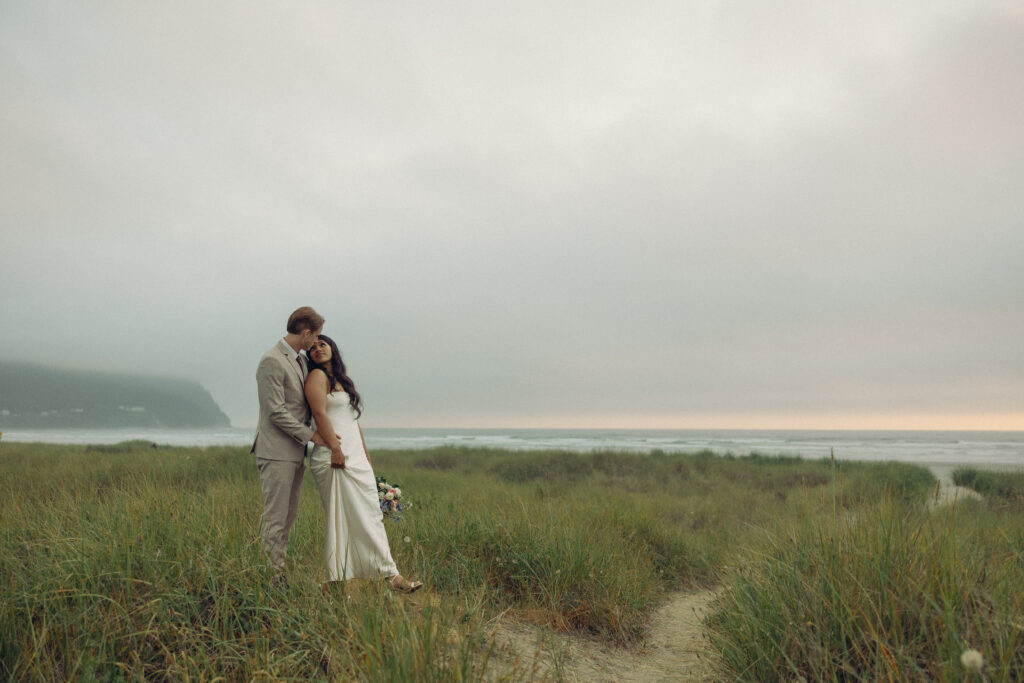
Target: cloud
x: 531, y: 210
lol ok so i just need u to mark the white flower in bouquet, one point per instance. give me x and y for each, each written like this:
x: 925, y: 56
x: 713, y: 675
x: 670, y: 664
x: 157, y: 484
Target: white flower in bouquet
x: 389, y: 497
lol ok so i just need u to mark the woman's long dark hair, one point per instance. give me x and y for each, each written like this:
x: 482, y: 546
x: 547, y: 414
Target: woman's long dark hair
x: 336, y: 375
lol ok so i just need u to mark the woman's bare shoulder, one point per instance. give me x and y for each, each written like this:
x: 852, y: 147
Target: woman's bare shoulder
x: 316, y: 377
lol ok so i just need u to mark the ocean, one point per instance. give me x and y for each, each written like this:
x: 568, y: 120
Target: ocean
x: 942, y: 451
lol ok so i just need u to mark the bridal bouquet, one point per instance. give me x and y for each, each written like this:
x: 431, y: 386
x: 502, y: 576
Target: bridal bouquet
x: 390, y: 496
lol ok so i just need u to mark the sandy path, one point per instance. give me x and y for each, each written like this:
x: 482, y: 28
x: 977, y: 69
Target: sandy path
x: 675, y: 650
x: 947, y: 493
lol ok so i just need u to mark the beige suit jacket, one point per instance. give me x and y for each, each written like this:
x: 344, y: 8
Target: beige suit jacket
x: 284, y: 424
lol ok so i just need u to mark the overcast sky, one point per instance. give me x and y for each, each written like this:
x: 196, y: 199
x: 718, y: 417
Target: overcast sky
x: 550, y: 214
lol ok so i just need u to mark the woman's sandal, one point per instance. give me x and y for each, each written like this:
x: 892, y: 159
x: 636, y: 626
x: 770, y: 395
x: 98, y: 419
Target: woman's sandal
x: 403, y: 585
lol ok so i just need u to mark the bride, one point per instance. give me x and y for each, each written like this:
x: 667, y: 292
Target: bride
x: 355, y: 543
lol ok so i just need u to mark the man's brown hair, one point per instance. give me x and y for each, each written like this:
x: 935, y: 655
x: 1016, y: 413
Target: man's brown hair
x: 304, y: 318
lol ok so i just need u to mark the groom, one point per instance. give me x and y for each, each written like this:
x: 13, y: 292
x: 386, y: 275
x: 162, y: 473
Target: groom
x: 283, y: 431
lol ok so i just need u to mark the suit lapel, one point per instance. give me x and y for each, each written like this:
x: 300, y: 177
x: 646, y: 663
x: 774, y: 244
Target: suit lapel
x: 296, y: 365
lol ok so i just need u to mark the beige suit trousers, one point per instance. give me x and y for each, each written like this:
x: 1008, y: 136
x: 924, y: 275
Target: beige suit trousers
x: 281, y: 484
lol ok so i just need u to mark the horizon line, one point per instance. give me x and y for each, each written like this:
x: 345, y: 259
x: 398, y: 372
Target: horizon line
x: 907, y: 422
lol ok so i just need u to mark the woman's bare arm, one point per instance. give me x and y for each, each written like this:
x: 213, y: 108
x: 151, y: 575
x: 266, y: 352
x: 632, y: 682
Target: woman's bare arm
x: 316, y: 396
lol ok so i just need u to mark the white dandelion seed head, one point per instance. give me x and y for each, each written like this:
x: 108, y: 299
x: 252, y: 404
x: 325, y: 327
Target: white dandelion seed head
x: 407, y: 539
x: 972, y: 660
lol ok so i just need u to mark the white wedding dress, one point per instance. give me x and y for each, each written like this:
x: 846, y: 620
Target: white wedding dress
x: 355, y: 543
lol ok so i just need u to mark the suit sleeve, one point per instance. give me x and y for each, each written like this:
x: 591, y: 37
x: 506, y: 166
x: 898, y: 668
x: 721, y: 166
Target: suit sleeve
x: 270, y: 385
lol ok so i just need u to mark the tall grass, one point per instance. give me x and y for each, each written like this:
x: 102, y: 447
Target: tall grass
x: 137, y: 562
x: 593, y: 542
x: 148, y: 567
x: 891, y: 593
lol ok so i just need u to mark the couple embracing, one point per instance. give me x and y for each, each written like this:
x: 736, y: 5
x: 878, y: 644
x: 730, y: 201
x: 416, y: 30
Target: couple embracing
x: 293, y: 388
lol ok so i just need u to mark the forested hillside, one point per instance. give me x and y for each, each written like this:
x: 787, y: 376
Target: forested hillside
x: 39, y: 397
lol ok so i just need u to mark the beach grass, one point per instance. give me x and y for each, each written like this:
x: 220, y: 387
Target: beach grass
x: 135, y: 562
x: 1005, y: 486
x: 889, y: 591
x: 142, y: 565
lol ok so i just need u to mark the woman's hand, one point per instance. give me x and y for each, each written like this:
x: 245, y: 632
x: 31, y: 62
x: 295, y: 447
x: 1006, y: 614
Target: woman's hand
x: 337, y: 458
